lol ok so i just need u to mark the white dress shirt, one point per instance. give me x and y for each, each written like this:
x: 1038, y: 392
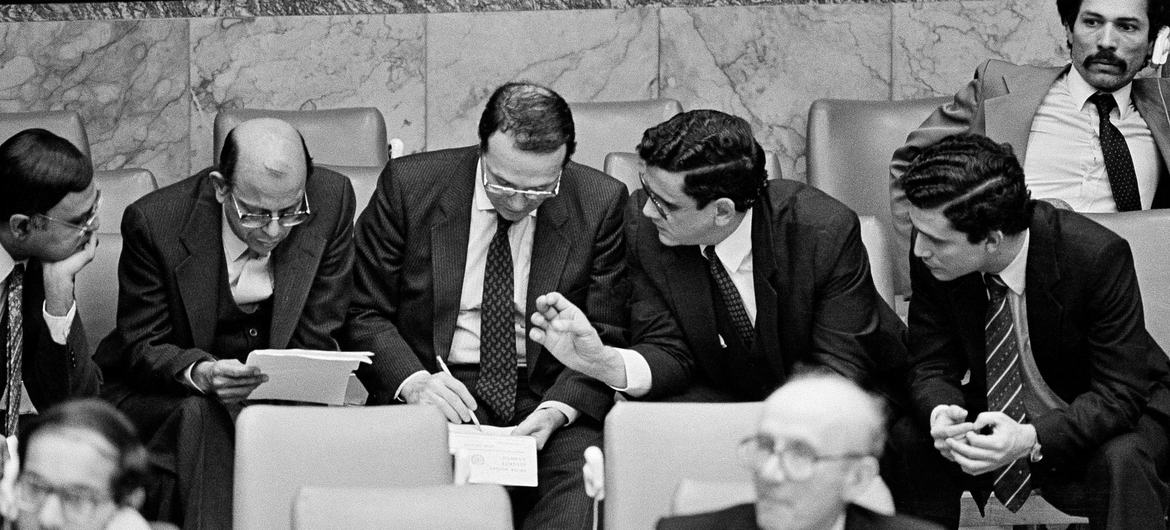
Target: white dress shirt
x: 735, y: 253
x: 1064, y: 159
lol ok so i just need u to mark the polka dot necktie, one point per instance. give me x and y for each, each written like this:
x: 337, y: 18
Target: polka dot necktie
x: 497, y: 346
x: 1118, y: 162
x: 1013, y: 484
x: 731, y: 298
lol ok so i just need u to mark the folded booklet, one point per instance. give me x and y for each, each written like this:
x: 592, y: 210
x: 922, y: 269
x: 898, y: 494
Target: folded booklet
x: 313, y: 376
x: 493, y: 455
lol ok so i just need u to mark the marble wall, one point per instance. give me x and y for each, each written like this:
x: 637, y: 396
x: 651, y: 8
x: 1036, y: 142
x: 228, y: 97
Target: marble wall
x: 148, y: 89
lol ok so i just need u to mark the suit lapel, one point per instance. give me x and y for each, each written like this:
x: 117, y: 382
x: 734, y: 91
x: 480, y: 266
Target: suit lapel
x: 686, y: 275
x: 1149, y: 105
x: 1009, y: 117
x: 293, y: 269
x: 1042, y: 279
x: 198, y: 275
x: 550, y: 249
x: 769, y: 288
x: 449, y: 235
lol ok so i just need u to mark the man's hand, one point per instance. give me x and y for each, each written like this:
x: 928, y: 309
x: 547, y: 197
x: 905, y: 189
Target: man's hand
x: 980, y: 453
x: 227, y: 379
x: 540, y: 425
x: 443, y: 391
x: 59, y: 275
x: 564, y: 330
x: 947, y: 423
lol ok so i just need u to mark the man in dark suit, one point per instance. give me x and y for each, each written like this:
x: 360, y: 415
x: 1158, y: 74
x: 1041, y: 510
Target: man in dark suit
x: 451, y: 254
x: 814, y: 457
x: 48, y: 215
x: 253, y: 254
x: 1030, y: 359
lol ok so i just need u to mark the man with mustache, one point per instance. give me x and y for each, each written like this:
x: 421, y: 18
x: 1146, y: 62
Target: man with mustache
x: 1090, y: 136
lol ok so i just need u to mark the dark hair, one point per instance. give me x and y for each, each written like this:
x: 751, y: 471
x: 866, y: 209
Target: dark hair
x: 538, y: 118
x: 1157, y: 13
x: 37, y: 170
x: 716, y: 151
x: 229, y: 155
x: 978, y: 183
x: 102, y: 419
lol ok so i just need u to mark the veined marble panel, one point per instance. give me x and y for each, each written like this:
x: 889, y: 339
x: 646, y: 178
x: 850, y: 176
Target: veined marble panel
x: 305, y: 63
x: 768, y: 64
x: 600, y: 55
x: 938, y: 45
x: 127, y: 79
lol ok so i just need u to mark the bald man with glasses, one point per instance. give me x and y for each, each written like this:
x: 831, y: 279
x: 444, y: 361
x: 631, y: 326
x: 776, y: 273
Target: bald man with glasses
x: 252, y: 254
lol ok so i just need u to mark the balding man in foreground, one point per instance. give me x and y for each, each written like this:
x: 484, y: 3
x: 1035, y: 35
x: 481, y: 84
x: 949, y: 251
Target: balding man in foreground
x: 252, y: 254
x: 816, y: 452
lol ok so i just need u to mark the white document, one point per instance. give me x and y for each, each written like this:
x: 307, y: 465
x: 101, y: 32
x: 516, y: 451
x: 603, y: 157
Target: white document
x: 314, y: 376
x: 494, y: 456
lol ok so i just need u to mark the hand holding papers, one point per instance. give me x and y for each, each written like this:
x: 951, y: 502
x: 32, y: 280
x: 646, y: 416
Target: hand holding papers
x: 494, y: 455
x: 305, y: 375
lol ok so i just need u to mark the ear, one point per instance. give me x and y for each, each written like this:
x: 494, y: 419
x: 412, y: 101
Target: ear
x: 724, y: 211
x: 135, y: 499
x: 994, y: 239
x: 221, y: 186
x: 19, y: 226
x: 859, y: 478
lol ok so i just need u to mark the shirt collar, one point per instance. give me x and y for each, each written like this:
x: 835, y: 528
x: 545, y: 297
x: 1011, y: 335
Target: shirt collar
x: 233, y: 246
x: 737, y: 247
x: 482, y: 202
x: 1013, y: 275
x: 6, y: 263
x: 1080, y: 91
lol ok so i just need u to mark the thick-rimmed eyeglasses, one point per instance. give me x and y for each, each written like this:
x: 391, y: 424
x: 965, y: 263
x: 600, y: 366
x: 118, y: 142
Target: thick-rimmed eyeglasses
x: 662, y: 211
x: 796, y: 459
x: 260, y: 220
x: 507, y: 191
x: 86, y: 227
x: 77, y: 502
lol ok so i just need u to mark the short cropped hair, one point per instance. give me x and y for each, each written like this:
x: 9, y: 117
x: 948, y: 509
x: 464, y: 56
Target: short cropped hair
x: 538, y: 118
x: 102, y: 419
x: 716, y: 152
x: 37, y: 170
x: 229, y: 156
x: 877, y: 415
x: 1157, y: 13
x: 978, y: 183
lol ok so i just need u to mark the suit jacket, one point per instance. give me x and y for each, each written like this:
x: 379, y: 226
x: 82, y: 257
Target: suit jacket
x: 743, y: 517
x: 172, y: 265
x: 52, y: 372
x: 411, y: 252
x: 1086, y: 328
x: 1000, y: 103
x: 815, y: 298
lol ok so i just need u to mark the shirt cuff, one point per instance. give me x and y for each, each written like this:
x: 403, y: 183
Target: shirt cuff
x: 411, y: 377
x: 638, y: 377
x: 59, y: 326
x: 190, y: 381
x: 571, y: 413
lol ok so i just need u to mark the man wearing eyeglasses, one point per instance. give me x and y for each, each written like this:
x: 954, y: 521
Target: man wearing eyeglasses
x: 812, y: 461
x: 451, y: 253
x: 48, y: 213
x: 254, y: 253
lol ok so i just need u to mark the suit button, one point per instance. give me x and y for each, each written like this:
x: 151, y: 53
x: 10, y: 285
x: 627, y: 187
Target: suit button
x: 252, y: 332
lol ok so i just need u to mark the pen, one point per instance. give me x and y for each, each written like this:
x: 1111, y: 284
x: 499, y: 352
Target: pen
x: 447, y: 371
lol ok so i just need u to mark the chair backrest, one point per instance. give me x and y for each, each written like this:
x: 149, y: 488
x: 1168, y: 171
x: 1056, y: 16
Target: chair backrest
x: 364, y: 180
x: 280, y: 449
x: 446, y: 507
x: 64, y: 123
x: 336, y: 137
x: 1147, y: 232
x: 876, y: 239
x: 97, y: 289
x: 612, y: 126
x: 850, y: 144
x: 120, y: 188
x: 651, y: 447
x: 625, y: 167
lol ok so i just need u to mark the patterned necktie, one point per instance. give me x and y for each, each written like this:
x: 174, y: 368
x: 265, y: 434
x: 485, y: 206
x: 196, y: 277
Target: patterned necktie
x: 1118, y: 162
x: 497, y: 345
x: 15, y: 349
x: 731, y: 298
x: 1005, y: 388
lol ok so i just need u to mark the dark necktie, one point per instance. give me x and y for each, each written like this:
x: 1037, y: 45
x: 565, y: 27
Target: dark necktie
x: 731, y: 298
x: 15, y: 350
x: 1118, y: 162
x: 497, y: 345
x: 1005, y: 388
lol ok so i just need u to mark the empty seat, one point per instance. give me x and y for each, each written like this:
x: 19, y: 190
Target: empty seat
x: 447, y: 507
x: 612, y: 126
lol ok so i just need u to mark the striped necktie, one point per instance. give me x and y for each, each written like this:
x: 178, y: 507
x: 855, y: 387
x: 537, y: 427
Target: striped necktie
x: 1005, y: 388
x: 14, y: 351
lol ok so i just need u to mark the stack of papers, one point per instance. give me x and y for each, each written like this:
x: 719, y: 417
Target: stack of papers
x: 494, y: 456
x: 313, y: 376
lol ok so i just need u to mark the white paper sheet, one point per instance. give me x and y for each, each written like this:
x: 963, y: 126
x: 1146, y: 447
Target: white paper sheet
x: 494, y: 456
x: 312, y: 376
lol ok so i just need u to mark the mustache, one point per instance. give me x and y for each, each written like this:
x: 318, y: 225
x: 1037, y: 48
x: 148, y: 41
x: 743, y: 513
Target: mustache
x: 1106, y: 57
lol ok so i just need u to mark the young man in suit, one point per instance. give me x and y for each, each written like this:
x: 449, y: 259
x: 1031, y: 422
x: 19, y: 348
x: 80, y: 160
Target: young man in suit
x: 48, y: 215
x: 253, y: 254
x: 1030, y: 359
x: 451, y: 254
x: 816, y: 452
x: 1088, y: 134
